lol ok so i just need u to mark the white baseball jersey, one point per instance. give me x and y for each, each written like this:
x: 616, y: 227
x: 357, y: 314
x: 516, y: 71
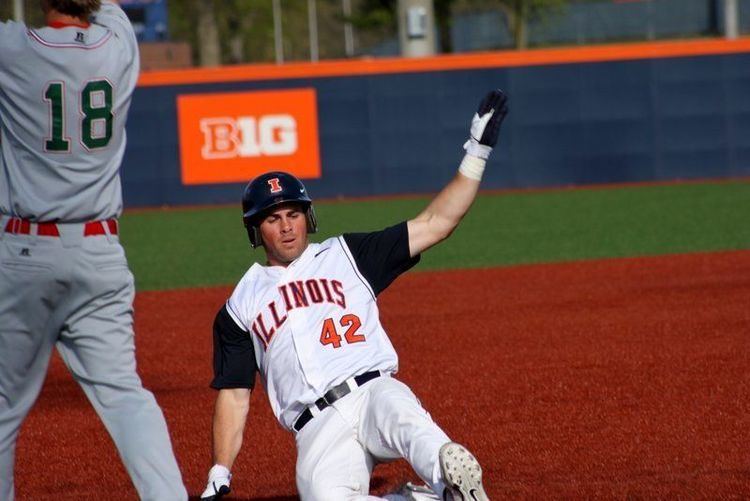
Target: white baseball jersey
x: 62, y: 138
x: 311, y: 325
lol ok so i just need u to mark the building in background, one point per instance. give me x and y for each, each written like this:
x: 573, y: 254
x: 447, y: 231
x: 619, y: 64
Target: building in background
x: 151, y: 22
x: 596, y: 21
x: 482, y: 25
x: 149, y: 18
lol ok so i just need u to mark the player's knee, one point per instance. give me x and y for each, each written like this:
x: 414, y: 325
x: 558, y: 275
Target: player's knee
x: 318, y: 485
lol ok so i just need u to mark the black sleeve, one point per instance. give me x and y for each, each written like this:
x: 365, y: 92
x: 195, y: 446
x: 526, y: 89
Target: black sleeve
x: 234, y: 355
x: 381, y: 256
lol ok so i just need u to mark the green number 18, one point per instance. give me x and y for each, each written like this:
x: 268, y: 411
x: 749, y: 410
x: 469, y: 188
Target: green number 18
x: 93, y: 114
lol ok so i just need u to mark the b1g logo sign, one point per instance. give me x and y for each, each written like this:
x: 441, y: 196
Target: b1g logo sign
x: 234, y: 137
x: 270, y: 135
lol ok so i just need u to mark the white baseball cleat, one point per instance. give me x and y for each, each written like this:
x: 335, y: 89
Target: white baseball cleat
x: 462, y: 474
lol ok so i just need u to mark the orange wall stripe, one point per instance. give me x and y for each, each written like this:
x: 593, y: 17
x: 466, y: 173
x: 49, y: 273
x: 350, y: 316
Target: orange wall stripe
x: 475, y: 60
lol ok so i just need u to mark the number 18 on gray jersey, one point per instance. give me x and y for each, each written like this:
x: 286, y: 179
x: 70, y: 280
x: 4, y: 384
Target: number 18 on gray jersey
x: 62, y: 138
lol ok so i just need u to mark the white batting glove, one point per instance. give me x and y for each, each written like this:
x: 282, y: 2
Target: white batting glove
x: 485, y: 126
x: 218, y: 483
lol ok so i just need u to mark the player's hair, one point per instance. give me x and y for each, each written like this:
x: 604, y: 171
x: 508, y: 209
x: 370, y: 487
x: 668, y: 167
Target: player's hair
x: 76, y: 8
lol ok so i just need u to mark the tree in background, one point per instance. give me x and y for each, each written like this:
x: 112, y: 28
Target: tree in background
x: 243, y: 30
x: 209, y: 50
x: 518, y: 13
x: 215, y: 28
x: 380, y: 14
x: 237, y: 31
x: 33, y: 15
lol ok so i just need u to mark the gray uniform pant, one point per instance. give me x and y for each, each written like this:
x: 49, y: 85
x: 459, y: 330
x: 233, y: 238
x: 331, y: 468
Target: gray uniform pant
x: 76, y: 293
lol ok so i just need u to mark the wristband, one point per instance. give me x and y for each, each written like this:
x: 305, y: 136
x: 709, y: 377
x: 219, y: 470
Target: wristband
x: 472, y: 167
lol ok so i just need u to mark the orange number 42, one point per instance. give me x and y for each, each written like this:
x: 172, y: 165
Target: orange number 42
x: 329, y: 334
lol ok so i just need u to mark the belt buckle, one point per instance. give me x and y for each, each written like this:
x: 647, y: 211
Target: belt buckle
x: 322, y: 403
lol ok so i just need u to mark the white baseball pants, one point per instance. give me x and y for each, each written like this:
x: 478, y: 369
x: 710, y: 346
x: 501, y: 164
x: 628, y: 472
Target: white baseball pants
x: 379, y: 421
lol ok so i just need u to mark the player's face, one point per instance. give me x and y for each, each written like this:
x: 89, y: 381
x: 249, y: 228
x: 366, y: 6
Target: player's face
x: 284, y: 234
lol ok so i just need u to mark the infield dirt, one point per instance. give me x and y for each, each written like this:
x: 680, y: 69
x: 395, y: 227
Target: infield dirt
x: 604, y: 379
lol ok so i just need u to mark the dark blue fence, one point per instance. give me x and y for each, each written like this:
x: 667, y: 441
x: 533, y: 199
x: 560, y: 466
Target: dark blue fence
x: 569, y: 124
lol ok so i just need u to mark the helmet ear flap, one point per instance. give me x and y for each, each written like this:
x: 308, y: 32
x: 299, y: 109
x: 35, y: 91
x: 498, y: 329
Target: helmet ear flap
x: 253, y: 233
x: 312, y: 220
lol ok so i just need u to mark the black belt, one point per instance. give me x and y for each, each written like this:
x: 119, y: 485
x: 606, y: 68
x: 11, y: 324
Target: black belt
x: 335, y: 393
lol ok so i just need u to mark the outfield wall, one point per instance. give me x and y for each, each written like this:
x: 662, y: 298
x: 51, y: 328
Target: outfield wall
x: 612, y: 114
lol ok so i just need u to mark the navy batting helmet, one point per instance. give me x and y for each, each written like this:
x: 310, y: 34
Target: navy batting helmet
x: 267, y: 191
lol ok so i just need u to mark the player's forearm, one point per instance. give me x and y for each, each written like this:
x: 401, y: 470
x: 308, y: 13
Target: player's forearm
x: 230, y: 416
x: 452, y: 203
x: 446, y: 210
x: 438, y: 220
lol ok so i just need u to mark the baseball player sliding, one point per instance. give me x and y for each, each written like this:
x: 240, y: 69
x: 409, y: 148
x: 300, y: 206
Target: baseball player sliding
x: 308, y: 321
x: 65, y: 90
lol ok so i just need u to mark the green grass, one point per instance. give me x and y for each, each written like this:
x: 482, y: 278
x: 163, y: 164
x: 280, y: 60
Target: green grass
x: 202, y: 247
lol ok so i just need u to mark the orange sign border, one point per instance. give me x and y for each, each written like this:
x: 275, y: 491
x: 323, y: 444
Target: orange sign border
x: 301, y: 103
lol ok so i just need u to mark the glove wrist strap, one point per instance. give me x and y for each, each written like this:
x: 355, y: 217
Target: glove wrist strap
x: 472, y: 167
x: 476, y: 149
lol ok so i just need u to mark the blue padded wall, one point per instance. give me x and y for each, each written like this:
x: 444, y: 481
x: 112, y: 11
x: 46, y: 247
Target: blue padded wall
x: 569, y: 124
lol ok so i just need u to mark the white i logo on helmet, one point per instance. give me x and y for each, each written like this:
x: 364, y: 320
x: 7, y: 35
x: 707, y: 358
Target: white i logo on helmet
x: 275, y: 185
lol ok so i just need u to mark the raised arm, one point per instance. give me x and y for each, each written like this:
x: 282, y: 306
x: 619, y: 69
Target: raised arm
x: 435, y: 223
x: 112, y: 16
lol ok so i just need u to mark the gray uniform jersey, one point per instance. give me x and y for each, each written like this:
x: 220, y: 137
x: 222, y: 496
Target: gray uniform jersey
x: 64, y: 96
x: 62, y: 139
